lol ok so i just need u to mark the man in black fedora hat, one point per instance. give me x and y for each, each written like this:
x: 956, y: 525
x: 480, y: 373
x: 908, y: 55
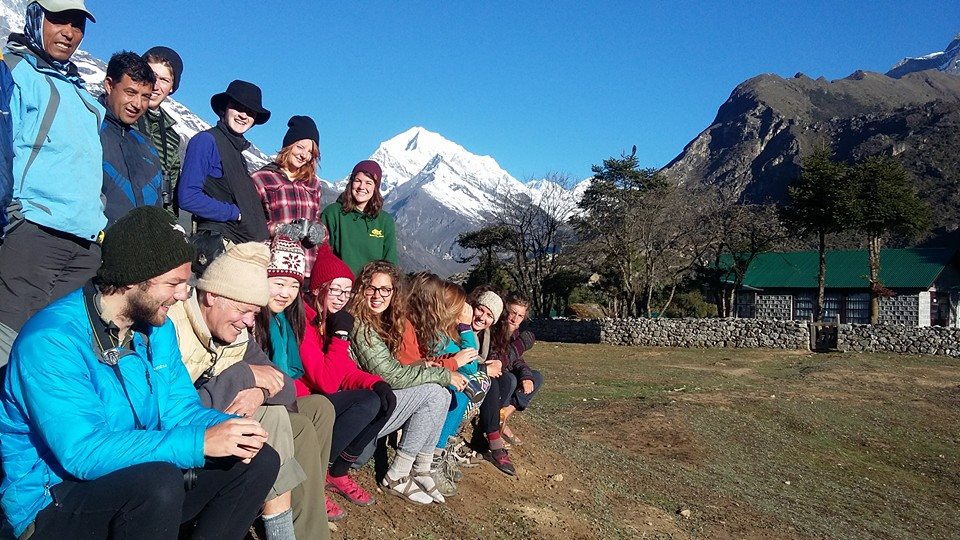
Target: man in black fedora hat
x: 215, y: 185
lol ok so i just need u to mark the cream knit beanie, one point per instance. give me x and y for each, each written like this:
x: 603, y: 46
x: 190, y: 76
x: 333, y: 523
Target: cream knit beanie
x: 493, y: 302
x: 239, y: 274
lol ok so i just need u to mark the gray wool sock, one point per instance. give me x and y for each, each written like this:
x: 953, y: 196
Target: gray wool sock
x: 280, y: 526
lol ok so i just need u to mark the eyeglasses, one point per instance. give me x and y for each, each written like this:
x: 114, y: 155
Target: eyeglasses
x: 336, y: 293
x: 384, y: 292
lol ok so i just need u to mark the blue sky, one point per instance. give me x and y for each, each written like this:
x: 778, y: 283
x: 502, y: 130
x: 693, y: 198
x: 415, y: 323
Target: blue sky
x: 540, y: 86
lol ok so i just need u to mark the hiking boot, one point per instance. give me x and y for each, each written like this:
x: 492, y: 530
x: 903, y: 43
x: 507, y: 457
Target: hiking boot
x: 334, y: 512
x: 446, y: 486
x: 449, y: 466
x: 349, y: 488
x: 501, y: 460
x: 466, y: 457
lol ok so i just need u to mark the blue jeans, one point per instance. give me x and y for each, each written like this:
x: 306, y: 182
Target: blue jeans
x: 516, y: 397
x: 458, y: 406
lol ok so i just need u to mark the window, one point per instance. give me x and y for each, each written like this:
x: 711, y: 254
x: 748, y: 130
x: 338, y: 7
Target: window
x: 858, y: 308
x: 803, y: 306
x: 746, y: 305
x: 831, y: 306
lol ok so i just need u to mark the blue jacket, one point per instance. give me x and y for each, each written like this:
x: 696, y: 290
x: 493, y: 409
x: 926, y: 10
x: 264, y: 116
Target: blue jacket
x: 468, y: 340
x: 57, y: 157
x: 63, y: 413
x: 202, y: 159
x: 132, y: 174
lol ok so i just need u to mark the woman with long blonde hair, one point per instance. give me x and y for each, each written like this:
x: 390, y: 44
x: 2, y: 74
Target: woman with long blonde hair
x: 422, y: 400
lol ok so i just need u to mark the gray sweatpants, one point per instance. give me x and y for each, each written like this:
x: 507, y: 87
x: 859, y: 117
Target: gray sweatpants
x: 421, y: 411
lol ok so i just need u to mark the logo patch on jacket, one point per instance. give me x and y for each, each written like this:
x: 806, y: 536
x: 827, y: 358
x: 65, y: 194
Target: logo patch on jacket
x: 376, y: 233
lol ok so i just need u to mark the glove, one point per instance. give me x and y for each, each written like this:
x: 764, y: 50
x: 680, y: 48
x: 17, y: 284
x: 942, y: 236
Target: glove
x: 314, y: 233
x: 339, y: 323
x: 388, y: 401
x: 293, y: 230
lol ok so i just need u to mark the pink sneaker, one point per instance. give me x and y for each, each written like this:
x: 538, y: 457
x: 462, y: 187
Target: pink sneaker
x: 349, y: 488
x: 334, y: 512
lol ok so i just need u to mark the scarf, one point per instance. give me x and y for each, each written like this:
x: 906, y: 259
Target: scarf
x: 33, y: 36
x: 286, y: 350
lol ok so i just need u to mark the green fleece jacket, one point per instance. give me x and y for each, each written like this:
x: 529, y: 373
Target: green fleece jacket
x: 358, y: 239
x: 373, y: 356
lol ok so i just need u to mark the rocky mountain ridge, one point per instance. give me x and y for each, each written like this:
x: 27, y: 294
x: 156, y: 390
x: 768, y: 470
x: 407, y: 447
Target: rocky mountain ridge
x: 754, y: 146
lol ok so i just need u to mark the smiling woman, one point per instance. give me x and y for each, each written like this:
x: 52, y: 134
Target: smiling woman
x: 214, y: 184
x: 290, y: 190
x: 360, y: 230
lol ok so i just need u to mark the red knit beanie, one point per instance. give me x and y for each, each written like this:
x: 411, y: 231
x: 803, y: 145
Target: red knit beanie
x: 328, y: 267
x: 371, y: 168
x: 286, y: 259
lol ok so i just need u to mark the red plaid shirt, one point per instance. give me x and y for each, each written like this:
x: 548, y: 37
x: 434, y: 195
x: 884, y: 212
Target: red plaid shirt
x: 285, y: 201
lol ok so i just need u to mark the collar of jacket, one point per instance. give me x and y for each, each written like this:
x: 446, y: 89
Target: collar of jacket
x: 155, y: 115
x: 112, y: 118
x: 238, y: 141
x: 18, y: 44
x: 199, y: 326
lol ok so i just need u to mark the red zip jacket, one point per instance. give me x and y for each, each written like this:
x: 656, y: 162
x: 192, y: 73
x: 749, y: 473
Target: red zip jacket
x: 330, y: 371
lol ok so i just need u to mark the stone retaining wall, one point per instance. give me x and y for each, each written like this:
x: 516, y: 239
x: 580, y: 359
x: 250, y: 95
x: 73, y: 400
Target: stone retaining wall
x: 739, y: 333
x: 746, y: 333
x: 899, y: 339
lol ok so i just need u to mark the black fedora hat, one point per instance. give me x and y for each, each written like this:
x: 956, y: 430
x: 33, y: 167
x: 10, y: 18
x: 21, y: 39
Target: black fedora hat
x: 244, y: 93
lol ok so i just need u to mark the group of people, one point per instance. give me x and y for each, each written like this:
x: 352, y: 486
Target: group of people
x: 188, y: 348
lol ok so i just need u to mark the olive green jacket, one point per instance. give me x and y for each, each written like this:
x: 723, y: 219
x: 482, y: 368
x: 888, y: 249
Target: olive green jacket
x: 373, y: 355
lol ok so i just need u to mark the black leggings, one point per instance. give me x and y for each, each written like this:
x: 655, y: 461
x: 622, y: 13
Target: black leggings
x: 488, y: 420
x: 358, y: 422
x: 150, y: 501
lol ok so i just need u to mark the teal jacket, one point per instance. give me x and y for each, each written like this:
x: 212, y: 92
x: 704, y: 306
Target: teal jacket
x: 63, y: 413
x: 57, y: 156
x: 468, y: 339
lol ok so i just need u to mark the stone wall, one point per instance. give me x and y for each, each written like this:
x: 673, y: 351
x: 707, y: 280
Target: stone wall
x: 746, y: 333
x: 566, y: 330
x: 738, y: 333
x: 899, y: 339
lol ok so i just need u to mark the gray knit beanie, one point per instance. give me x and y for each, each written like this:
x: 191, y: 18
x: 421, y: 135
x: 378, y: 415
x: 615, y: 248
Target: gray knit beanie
x: 239, y: 274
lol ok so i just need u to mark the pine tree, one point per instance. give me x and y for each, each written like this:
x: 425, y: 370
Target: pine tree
x: 886, y: 204
x: 822, y: 202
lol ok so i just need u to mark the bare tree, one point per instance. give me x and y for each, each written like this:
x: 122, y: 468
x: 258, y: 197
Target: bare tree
x: 538, y: 233
x: 738, y: 233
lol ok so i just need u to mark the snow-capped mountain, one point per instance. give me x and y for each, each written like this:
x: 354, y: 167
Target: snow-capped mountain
x: 436, y: 189
x: 947, y: 61
x: 93, y: 70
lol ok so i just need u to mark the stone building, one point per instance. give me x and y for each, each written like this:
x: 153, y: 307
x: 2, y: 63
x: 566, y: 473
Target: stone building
x: 925, y: 286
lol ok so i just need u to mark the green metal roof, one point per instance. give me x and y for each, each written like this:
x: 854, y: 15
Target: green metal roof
x: 899, y: 269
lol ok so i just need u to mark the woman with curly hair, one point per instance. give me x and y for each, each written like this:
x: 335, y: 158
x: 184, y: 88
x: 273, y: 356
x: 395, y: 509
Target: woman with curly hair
x: 438, y: 331
x: 422, y: 398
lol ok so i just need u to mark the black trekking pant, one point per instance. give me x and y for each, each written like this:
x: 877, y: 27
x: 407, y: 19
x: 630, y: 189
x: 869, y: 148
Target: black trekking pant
x: 150, y: 501
x: 358, y: 421
x: 39, y: 265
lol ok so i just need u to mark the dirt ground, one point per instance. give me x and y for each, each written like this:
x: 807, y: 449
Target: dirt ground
x: 679, y: 443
